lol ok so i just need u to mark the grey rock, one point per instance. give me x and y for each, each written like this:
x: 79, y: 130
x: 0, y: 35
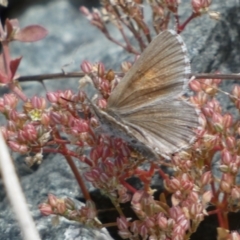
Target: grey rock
x: 213, y: 45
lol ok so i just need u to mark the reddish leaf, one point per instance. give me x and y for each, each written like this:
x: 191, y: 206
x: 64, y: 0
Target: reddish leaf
x: 31, y: 33
x: 14, y: 65
x: 3, y: 77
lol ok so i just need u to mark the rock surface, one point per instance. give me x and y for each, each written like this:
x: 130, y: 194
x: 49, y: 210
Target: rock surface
x: 212, y: 45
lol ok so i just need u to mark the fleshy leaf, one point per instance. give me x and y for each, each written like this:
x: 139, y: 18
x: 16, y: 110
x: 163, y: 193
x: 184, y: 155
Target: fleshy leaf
x: 31, y: 33
x: 14, y: 65
x: 8, y: 28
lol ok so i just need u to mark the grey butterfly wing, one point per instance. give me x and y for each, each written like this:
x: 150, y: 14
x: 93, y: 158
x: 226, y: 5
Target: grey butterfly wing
x: 159, y: 73
x: 146, y: 103
x: 165, y: 128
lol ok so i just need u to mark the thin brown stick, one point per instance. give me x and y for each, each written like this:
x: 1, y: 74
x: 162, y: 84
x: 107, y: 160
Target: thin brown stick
x: 61, y: 75
x: 16, y: 195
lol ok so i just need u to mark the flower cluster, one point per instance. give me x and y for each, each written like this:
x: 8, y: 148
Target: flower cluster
x: 67, y: 208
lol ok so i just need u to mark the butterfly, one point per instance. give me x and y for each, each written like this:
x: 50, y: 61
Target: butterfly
x: 146, y: 109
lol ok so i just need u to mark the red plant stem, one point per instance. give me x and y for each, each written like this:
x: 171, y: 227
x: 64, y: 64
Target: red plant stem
x: 221, y: 221
x: 213, y: 212
x: 128, y: 44
x: 131, y: 27
x: 162, y: 174
x: 181, y: 27
x: 221, y: 212
x: 74, y: 169
x: 63, y: 152
x: 78, y: 177
x: 128, y: 186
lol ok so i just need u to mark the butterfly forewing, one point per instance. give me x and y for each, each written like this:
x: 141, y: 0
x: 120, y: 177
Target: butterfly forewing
x: 159, y: 73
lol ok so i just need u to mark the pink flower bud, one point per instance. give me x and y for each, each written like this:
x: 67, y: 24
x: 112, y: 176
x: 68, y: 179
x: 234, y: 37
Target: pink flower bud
x: 200, y: 6
x: 86, y: 67
x: 10, y: 101
x: 231, y: 142
x: 96, y: 172
x: 121, y: 162
x: 172, y: 5
x: 94, y: 122
x: 96, y: 15
x: 52, y: 200
x: 122, y: 223
x: 11, y: 126
x: 225, y: 187
x: 13, y: 115
x: 21, y: 148
x: 206, y: 197
x: 227, y: 120
x: 61, y: 207
x: 94, y: 155
x: 90, y: 176
x: 202, y: 120
x: 235, y: 193
x: 207, y: 111
x: 134, y: 227
x: 200, y: 99
x: 150, y: 222
x: 81, y: 96
x: 102, y: 103
x: 38, y: 102
x: 143, y: 231
x: 29, y: 133
x: 70, y: 205
x: 45, y: 209
x: 2, y: 106
x: 56, y: 117
x: 195, y: 209
x: 184, y: 223
x: 81, y: 125
x: 109, y: 167
x: 126, y: 66
x: 162, y: 222
x: 45, y: 119
x: 105, y: 86
x: 52, y: 97
x: 226, y: 157
x: 195, y: 86
x: 175, y: 184
x: 124, y: 234
x: 217, y: 120
x: 104, y: 178
x: 84, y: 10
x: 206, y: 178
x: 101, y: 70
x: 234, y: 235
x: 175, y: 212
